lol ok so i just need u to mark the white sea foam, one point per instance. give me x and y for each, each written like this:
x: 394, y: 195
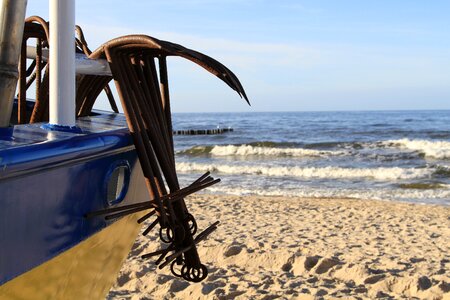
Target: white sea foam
x: 246, y: 150
x: 308, y: 172
x: 432, y: 149
x: 429, y: 196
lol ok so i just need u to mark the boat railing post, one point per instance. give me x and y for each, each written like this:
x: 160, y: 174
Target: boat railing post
x: 62, y: 65
x: 12, y: 16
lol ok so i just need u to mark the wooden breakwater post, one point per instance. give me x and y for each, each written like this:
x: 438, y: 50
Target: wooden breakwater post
x: 202, y: 131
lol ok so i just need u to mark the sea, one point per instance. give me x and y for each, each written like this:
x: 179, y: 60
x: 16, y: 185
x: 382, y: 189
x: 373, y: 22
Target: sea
x: 385, y: 155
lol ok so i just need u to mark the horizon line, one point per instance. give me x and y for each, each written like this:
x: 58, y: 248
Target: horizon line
x: 302, y: 111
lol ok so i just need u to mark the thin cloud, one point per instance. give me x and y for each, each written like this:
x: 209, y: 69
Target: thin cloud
x: 245, y: 54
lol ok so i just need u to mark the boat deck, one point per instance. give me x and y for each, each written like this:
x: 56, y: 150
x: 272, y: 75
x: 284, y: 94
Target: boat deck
x: 28, y: 134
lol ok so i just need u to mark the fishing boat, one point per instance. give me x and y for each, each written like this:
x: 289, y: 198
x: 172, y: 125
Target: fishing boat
x: 77, y: 184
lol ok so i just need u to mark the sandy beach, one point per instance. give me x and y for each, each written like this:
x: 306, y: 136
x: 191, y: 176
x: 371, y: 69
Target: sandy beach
x: 303, y: 248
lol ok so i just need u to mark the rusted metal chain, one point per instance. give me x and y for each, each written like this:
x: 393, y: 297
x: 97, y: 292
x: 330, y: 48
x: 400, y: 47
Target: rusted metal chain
x: 22, y: 98
x: 136, y: 127
x: 35, y: 28
x: 164, y: 92
x: 144, y: 94
x: 82, y: 44
x: 139, y: 102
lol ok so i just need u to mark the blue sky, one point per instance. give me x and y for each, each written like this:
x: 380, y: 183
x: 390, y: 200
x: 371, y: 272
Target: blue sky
x: 291, y: 55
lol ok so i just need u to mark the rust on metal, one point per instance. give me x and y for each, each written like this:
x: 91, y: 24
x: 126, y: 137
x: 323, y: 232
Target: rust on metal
x: 36, y: 28
x: 145, y: 99
x: 38, y: 72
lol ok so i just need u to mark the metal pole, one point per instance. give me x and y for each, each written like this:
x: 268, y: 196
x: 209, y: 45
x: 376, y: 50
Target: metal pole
x: 83, y: 64
x: 62, y: 63
x: 12, y: 16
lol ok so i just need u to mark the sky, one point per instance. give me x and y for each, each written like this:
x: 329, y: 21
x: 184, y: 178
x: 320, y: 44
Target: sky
x: 317, y: 55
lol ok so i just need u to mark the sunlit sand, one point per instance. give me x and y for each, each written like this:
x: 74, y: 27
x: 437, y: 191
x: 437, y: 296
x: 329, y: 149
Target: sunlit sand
x: 297, y: 248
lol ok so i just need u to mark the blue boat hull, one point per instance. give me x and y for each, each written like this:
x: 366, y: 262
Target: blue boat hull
x: 49, y: 181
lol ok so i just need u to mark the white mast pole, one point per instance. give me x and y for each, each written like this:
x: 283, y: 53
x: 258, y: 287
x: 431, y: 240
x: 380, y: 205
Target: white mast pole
x: 62, y: 63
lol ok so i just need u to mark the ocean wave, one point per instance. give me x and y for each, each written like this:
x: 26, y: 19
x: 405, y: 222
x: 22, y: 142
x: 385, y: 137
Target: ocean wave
x: 411, y: 195
x: 430, y: 149
x: 196, y: 150
x: 249, y: 150
x: 309, y: 172
x: 272, y: 144
x: 442, y: 171
x: 352, y: 145
x: 246, y: 150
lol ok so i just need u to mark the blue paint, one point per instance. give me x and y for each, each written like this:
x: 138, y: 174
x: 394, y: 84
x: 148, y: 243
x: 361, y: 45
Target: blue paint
x: 6, y: 133
x: 50, y: 180
x: 55, y: 127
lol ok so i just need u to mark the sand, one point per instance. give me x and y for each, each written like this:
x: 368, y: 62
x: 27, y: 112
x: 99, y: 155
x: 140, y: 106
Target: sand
x: 297, y: 248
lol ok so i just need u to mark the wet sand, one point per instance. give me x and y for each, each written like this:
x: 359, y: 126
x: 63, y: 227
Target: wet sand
x: 300, y: 248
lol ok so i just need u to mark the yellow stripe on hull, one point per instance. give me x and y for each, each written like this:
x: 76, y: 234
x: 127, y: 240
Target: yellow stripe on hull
x: 85, y: 271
